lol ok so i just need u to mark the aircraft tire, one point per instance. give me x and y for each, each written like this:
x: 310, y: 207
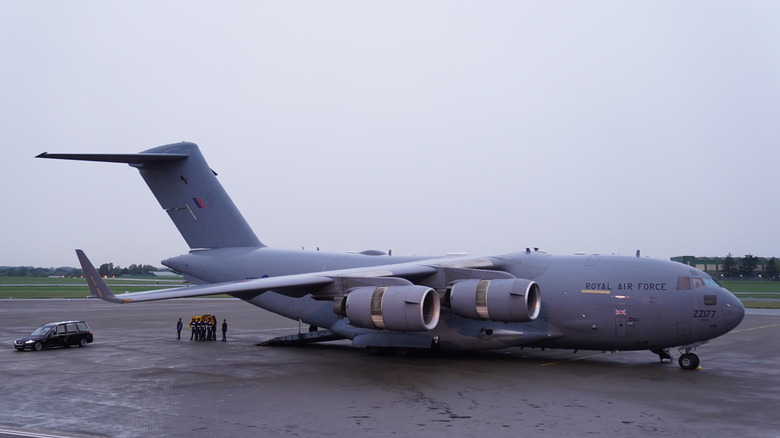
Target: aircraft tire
x: 689, y: 361
x: 404, y: 351
x: 374, y: 351
x: 38, y: 346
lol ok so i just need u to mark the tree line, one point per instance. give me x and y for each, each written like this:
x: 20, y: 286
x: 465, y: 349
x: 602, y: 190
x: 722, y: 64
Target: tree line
x: 109, y: 270
x: 106, y: 270
x: 745, y: 267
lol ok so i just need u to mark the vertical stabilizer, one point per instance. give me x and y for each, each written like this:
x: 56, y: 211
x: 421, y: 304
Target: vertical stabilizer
x: 188, y: 190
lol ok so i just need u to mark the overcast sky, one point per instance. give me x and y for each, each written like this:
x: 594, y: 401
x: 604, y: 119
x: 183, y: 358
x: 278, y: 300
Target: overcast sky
x: 424, y: 127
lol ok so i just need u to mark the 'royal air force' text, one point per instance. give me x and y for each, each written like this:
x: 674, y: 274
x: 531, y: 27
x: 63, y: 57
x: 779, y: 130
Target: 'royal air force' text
x: 627, y: 286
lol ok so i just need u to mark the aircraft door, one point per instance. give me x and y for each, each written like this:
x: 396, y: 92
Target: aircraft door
x: 621, y: 329
x: 629, y: 315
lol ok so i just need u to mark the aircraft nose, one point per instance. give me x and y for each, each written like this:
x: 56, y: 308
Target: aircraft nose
x: 733, y: 310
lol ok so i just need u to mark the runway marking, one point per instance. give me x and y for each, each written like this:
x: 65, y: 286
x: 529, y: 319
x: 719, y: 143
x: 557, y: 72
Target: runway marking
x: 575, y: 359
x: 24, y: 433
x: 755, y: 328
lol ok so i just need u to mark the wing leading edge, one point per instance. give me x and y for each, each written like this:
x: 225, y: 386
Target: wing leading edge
x: 291, y: 285
x: 296, y: 285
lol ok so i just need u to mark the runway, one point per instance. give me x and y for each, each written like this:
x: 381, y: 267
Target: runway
x: 136, y: 379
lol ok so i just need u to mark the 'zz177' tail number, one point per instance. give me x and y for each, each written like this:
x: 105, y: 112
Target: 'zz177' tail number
x: 703, y: 313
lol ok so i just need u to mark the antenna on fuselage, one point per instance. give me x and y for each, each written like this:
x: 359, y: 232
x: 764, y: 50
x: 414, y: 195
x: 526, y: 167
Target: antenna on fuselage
x: 637, y: 253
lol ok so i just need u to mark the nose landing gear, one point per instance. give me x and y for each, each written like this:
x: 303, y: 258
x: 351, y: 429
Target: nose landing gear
x: 688, y: 360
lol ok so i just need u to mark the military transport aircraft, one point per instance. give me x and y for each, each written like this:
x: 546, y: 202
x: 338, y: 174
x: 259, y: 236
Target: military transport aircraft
x: 391, y: 303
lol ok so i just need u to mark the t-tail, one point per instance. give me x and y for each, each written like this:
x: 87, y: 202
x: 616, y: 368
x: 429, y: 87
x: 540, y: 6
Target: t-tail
x: 189, y: 191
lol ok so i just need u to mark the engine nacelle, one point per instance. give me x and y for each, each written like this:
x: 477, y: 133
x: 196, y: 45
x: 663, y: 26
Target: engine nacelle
x: 503, y: 300
x: 409, y: 308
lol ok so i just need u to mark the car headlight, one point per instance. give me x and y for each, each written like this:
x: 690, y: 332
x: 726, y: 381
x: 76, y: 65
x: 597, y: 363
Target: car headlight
x: 28, y: 342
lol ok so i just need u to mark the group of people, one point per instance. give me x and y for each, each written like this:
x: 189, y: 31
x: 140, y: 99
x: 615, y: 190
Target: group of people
x: 203, y: 328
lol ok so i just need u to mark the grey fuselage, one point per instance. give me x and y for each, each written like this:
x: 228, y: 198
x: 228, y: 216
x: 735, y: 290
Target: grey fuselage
x: 594, y: 302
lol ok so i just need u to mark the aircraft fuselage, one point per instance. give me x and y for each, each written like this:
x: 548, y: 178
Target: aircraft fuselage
x: 588, y: 301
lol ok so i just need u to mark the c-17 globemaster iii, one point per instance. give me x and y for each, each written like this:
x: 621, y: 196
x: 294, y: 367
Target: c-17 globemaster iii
x: 383, y: 302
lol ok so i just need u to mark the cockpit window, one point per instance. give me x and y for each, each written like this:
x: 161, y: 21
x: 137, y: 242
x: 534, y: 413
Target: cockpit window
x: 690, y: 283
x: 709, y: 281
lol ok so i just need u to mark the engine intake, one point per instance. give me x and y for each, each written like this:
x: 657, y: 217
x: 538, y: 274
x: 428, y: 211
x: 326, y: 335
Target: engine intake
x: 502, y: 300
x: 398, y: 308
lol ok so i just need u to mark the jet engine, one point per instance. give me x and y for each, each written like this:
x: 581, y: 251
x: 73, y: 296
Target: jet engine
x: 406, y: 308
x: 502, y: 300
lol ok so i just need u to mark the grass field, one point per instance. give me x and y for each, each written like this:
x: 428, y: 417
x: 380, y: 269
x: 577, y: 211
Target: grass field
x: 40, y: 287
x: 751, y: 285
x: 44, y: 287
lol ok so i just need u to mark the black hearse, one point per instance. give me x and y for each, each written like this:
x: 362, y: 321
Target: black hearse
x: 56, y: 334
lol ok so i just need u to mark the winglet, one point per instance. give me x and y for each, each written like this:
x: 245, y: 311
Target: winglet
x: 98, y: 288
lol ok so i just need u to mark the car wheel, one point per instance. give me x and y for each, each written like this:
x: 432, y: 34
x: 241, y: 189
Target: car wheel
x: 38, y: 346
x: 83, y: 342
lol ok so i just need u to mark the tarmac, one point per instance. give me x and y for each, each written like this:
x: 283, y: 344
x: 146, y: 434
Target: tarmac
x: 137, y: 379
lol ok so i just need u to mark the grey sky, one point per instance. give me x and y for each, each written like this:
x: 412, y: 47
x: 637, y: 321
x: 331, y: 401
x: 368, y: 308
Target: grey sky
x: 425, y: 127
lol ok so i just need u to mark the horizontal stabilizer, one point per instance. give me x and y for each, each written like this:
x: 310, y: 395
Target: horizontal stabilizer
x: 117, y: 158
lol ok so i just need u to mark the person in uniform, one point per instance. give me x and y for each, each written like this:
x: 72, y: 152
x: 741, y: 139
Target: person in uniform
x: 179, y: 326
x: 224, y: 330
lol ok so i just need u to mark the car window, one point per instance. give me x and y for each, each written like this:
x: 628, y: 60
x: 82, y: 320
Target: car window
x: 61, y: 329
x: 71, y: 326
x: 82, y: 326
x: 42, y: 330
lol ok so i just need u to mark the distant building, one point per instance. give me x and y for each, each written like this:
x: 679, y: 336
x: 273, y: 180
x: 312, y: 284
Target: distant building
x: 714, y: 265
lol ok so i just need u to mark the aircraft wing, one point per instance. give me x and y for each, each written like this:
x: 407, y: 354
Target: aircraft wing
x: 291, y: 285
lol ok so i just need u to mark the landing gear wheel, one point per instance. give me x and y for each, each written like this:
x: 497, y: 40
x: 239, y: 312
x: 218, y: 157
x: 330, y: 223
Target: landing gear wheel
x: 403, y: 352
x: 374, y: 351
x: 689, y: 361
x: 38, y: 346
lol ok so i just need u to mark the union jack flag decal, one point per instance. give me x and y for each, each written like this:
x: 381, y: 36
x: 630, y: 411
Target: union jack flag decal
x: 620, y: 312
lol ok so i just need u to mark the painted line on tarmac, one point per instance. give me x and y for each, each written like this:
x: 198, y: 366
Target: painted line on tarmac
x: 755, y: 328
x: 25, y: 433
